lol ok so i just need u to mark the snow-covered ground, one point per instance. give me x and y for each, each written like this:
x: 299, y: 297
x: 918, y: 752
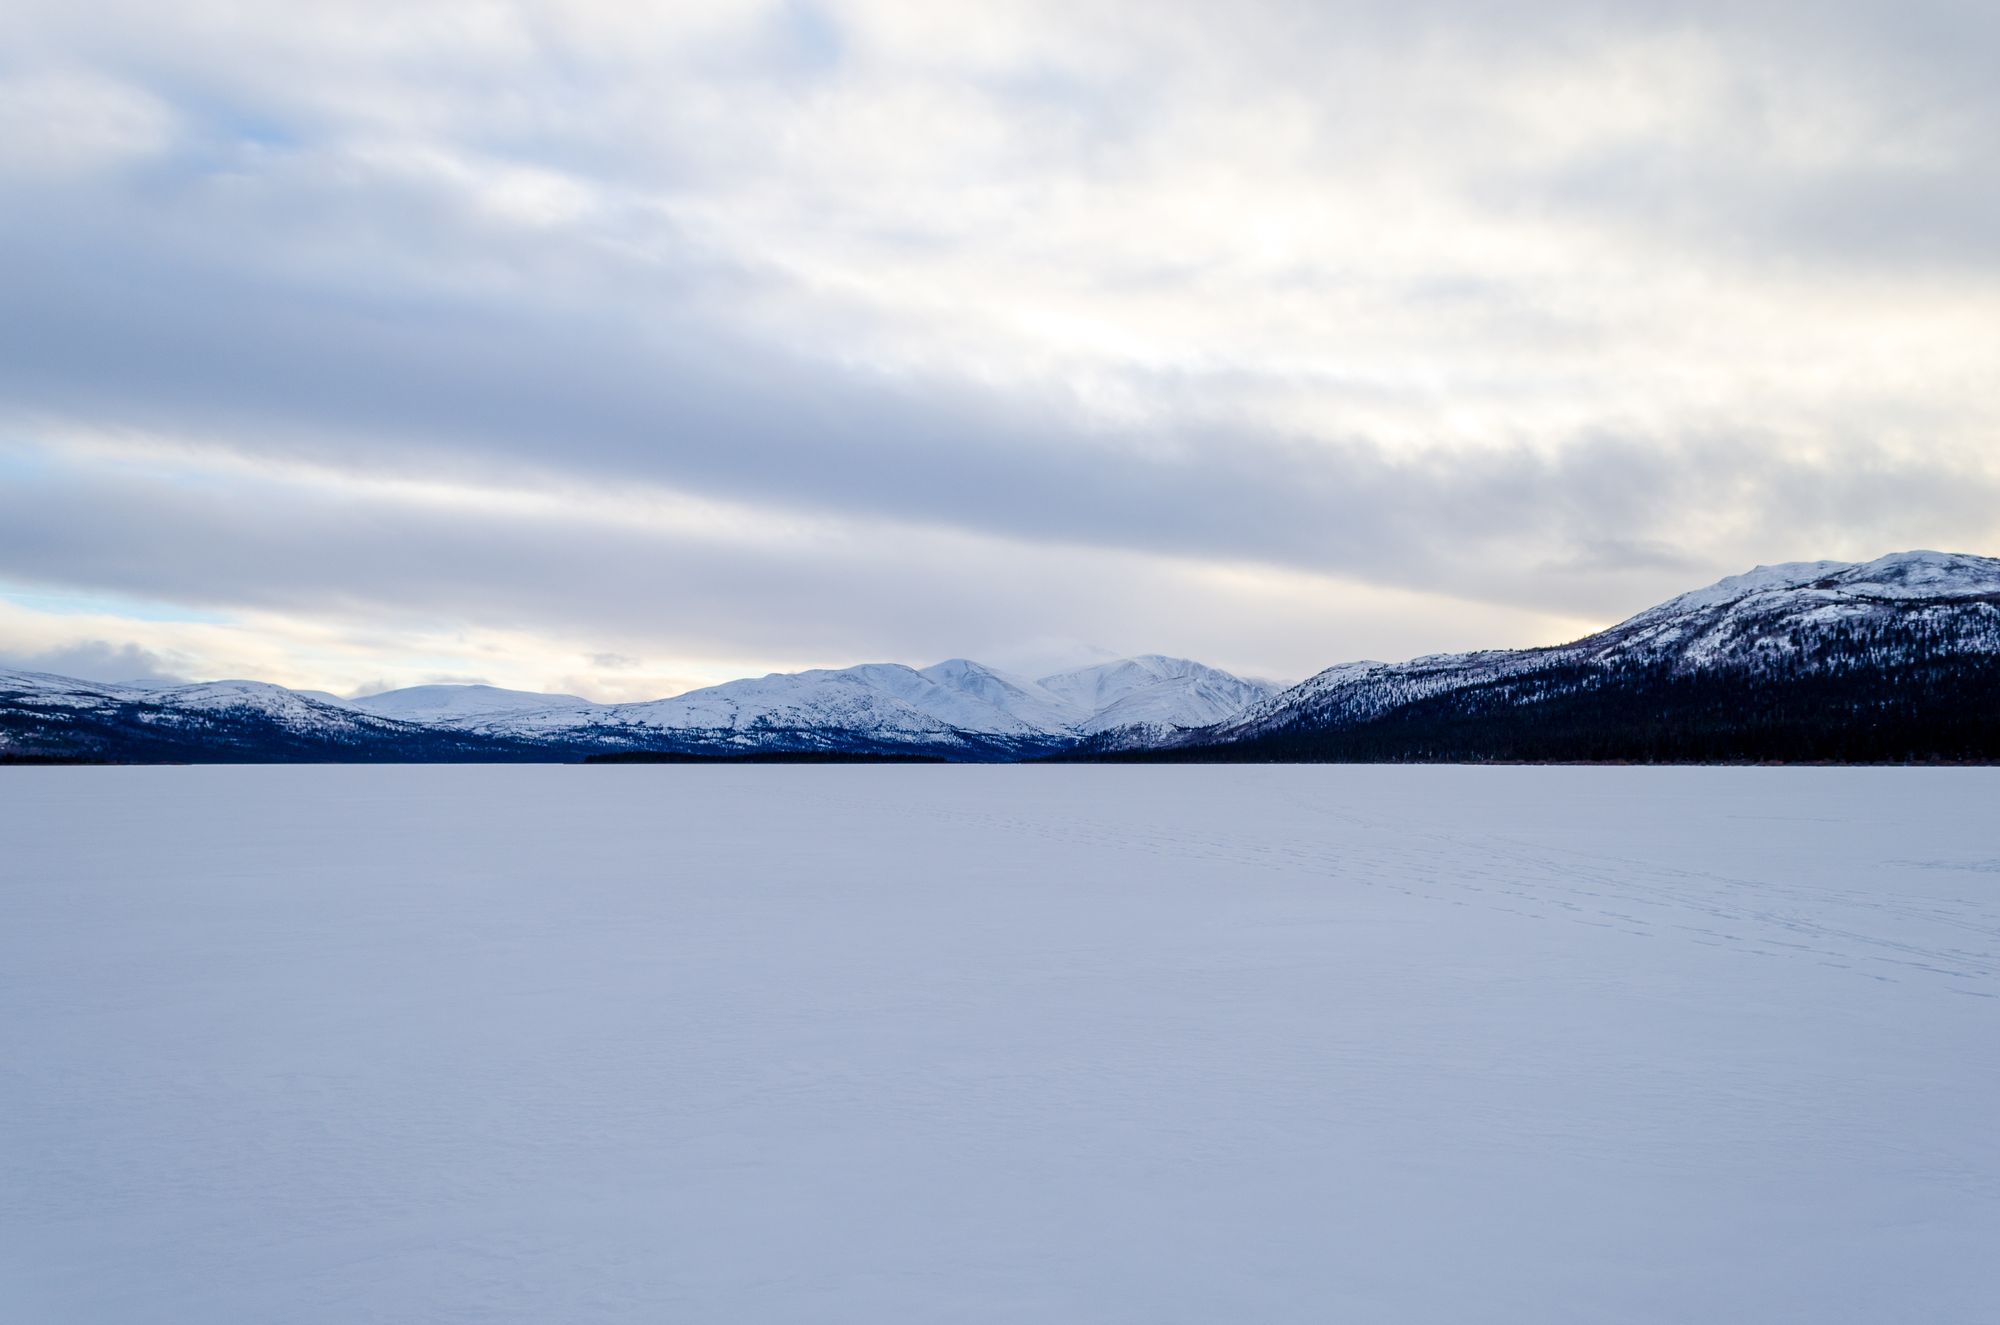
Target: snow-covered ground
x: 915, y: 1044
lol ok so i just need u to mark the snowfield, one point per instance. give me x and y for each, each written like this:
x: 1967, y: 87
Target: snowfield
x: 1000, y: 1043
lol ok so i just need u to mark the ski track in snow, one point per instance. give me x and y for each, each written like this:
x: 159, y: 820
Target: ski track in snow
x: 999, y: 1043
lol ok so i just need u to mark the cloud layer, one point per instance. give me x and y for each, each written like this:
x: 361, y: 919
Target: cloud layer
x: 616, y: 347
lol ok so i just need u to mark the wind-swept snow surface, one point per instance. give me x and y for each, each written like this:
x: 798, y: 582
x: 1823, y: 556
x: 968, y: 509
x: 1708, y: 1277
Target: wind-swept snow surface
x: 764, y: 1044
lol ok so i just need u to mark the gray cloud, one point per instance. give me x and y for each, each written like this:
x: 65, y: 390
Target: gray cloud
x: 307, y: 374
x: 100, y: 660
x: 865, y: 591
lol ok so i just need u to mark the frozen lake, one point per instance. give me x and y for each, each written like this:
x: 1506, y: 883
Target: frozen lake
x: 914, y: 1044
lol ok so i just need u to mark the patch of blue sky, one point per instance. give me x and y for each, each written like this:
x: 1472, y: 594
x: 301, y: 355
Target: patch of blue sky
x: 809, y: 38
x: 227, y: 119
x: 69, y: 602
x: 22, y: 462
x: 222, y: 135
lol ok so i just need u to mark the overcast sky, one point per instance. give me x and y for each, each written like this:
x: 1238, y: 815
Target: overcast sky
x: 616, y: 348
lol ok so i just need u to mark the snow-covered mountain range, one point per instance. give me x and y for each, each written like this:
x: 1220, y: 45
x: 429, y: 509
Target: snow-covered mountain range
x: 42, y: 715
x: 955, y: 709
x: 1893, y: 658
x: 958, y: 706
x: 1864, y: 635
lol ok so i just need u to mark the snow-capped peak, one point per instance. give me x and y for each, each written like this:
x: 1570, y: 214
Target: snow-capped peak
x: 1925, y: 574
x: 1018, y: 696
x: 1154, y: 691
x: 1765, y: 617
x: 432, y: 703
x: 1736, y: 616
x: 952, y: 701
x: 1916, y: 574
x: 1759, y: 579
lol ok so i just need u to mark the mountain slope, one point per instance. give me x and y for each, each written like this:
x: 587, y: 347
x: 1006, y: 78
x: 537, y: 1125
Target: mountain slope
x: 958, y: 708
x: 882, y: 707
x: 1893, y: 659
x: 443, y: 703
x: 1027, y: 701
x: 954, y: 710
x: 1888, y: 659
x: 44, y: 716
x: 1153, y: 694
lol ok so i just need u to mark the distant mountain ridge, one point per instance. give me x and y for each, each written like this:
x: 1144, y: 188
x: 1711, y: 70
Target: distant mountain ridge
x: 1895, y: 659
x: 1892, y: 659
x: 954, y: 704
x: 957, y: 709
x: 440, y: 703
x: 56, y: 717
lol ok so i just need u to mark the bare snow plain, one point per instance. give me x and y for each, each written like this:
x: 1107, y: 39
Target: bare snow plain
x: 914, y: 1044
